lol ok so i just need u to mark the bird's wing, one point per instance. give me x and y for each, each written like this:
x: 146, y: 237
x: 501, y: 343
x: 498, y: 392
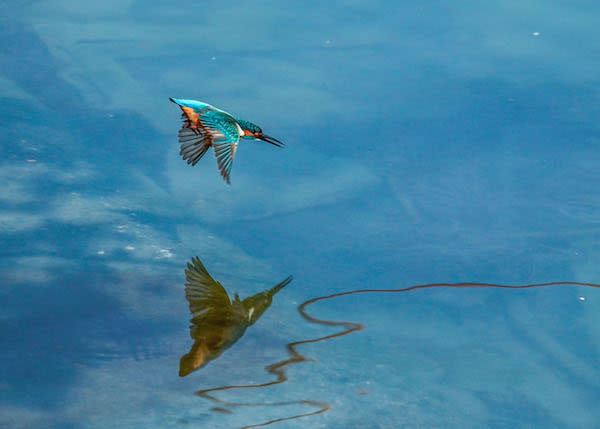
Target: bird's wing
x: 207, y: 297
x: 194, y: 142
x: 225, y: 134
x: 218, y: 127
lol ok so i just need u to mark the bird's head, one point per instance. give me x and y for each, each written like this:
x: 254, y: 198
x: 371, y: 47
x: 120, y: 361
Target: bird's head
x: 257, y: 304
x: 253, y: 131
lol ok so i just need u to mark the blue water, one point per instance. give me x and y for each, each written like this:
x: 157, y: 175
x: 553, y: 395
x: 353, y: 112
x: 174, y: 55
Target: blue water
x: 425, y: 142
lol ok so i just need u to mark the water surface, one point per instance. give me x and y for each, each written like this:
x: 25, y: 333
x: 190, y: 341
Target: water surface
x: 435, y: 142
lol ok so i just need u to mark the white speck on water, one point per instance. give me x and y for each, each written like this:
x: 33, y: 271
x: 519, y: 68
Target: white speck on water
x: 129, y: 248
x: 32, y: 160
x: 535, y: 33
x: 165, y: 253
x: 100, y: 252
x: 213, y: 58
x: 582, y: 298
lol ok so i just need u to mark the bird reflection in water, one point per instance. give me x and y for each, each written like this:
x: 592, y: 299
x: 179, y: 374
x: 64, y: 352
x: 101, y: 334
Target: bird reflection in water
x: 217, y: 322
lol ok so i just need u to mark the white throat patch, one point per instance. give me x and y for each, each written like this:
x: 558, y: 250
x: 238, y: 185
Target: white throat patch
x: 240, y: 131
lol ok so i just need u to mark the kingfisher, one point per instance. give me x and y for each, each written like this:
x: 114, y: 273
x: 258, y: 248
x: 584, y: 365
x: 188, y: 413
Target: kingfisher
x: 205, y: 126
x: 217, y: 322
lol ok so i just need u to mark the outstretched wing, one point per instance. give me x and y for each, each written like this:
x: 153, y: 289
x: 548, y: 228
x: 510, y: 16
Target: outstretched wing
x: 207, y: 298
x: 205, y: 125
x: 224, y: 133
x: 194, y: 143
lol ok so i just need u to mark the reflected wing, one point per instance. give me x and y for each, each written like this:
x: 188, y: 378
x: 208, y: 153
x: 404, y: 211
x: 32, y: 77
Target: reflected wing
x: 207, y: 297
x: 214, y: 326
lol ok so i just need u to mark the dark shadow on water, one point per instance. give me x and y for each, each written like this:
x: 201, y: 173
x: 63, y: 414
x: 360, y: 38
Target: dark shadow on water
x: 218, y: 323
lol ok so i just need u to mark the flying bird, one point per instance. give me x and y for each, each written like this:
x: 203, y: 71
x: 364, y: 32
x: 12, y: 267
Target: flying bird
x: 217, y: 323
x: 205, y: 126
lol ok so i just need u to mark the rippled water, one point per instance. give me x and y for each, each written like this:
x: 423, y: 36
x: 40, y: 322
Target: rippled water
x: 426, y: 143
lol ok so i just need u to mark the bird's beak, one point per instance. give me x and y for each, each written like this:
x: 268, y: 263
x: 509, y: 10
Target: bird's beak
x: 271, y: 140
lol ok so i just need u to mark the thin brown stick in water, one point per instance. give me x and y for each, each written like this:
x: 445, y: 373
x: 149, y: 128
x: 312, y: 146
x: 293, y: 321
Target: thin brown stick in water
x: 278, y: 369
x: 358, y: 326
x: 322, y: 408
